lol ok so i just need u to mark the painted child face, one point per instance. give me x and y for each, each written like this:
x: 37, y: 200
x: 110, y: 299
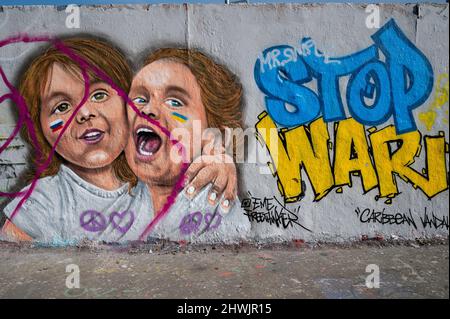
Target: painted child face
x: 168, y: 92
x: 98, y: 133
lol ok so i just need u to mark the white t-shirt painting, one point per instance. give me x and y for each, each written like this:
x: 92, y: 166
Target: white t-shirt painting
x: 65, y: 209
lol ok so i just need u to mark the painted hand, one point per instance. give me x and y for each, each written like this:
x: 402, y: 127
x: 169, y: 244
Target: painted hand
x: 219, y: 170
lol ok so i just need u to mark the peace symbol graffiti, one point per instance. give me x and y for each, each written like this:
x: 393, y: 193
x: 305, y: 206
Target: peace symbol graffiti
x: 92, y: 221
x: 191, y: 222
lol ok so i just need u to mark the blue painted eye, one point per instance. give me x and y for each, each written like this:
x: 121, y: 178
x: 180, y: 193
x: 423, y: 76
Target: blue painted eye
x: 140, y: 100
x: 174, y: 103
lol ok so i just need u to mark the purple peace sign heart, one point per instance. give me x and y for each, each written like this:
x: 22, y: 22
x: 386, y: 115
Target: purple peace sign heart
x: 209, y: 218
x: 92, y: 221
x: 120, y: 217
x: 190, y: 223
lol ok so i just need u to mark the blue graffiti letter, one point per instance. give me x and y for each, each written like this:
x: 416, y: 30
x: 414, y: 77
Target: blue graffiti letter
x: 279, y: 74
x: 410, y: 72
x: 361, y: 86
x: 328, y: 74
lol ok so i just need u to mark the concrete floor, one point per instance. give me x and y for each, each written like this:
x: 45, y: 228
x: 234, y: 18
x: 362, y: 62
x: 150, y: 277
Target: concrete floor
x: 406, y: 271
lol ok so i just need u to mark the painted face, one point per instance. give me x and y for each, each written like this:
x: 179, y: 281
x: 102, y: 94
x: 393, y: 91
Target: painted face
x: 98, y: 133
x: 168, y: 92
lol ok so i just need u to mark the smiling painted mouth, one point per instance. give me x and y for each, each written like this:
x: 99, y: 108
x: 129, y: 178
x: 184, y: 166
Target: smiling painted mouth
x: 147, y: 141
x: 92, y: 136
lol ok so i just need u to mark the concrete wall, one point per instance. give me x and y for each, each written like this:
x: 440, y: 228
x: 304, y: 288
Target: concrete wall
x: 319, y: 198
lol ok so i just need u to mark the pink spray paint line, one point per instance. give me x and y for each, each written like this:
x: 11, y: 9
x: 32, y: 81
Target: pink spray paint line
x: 23, y: 111
x: 14, y: 95
x: 180, y: 182
x: 24, y: 116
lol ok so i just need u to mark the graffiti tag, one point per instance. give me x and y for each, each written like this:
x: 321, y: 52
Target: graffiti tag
x: 367, y: 216
x: 394, y: 87
x: 270, y: 210
x: 379, y: 160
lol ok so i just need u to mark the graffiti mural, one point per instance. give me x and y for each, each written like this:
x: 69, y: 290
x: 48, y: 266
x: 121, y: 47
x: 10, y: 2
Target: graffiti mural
x: 317, y: 130
x: 396, y: 87
x: 114, y: 172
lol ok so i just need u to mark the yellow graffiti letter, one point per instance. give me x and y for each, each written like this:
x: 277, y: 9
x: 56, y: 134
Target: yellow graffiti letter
x: 387, y: 163
x: 352, y: 154
x: 298, y: 148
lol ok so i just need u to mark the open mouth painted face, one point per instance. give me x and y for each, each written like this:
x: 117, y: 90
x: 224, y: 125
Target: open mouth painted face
x: 147, y: 142
x: 168, y: 93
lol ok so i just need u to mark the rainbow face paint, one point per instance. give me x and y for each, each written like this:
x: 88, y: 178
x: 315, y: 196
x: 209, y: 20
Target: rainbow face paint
x: 56, y: 125
x: 179, y: 117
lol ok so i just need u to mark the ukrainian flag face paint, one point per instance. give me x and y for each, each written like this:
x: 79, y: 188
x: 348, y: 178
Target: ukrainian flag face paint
x: 168, y: 92
x: 179, y: 117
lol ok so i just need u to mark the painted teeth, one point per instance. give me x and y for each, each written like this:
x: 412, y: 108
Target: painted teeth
x: 144, y: 130
x: 142, y: 151
x: 93, y: 134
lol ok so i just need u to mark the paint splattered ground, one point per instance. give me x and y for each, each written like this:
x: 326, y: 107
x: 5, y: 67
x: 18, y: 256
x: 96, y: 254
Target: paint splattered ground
x: 418, y: 269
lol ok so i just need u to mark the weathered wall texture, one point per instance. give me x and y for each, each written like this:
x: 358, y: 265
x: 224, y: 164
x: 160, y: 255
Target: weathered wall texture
x: 398, y: 146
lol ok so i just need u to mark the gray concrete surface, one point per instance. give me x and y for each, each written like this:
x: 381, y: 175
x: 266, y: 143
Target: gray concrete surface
x: 407, y: 270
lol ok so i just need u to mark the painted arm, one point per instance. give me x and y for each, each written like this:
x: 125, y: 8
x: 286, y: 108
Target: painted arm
x: 14, y: 233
